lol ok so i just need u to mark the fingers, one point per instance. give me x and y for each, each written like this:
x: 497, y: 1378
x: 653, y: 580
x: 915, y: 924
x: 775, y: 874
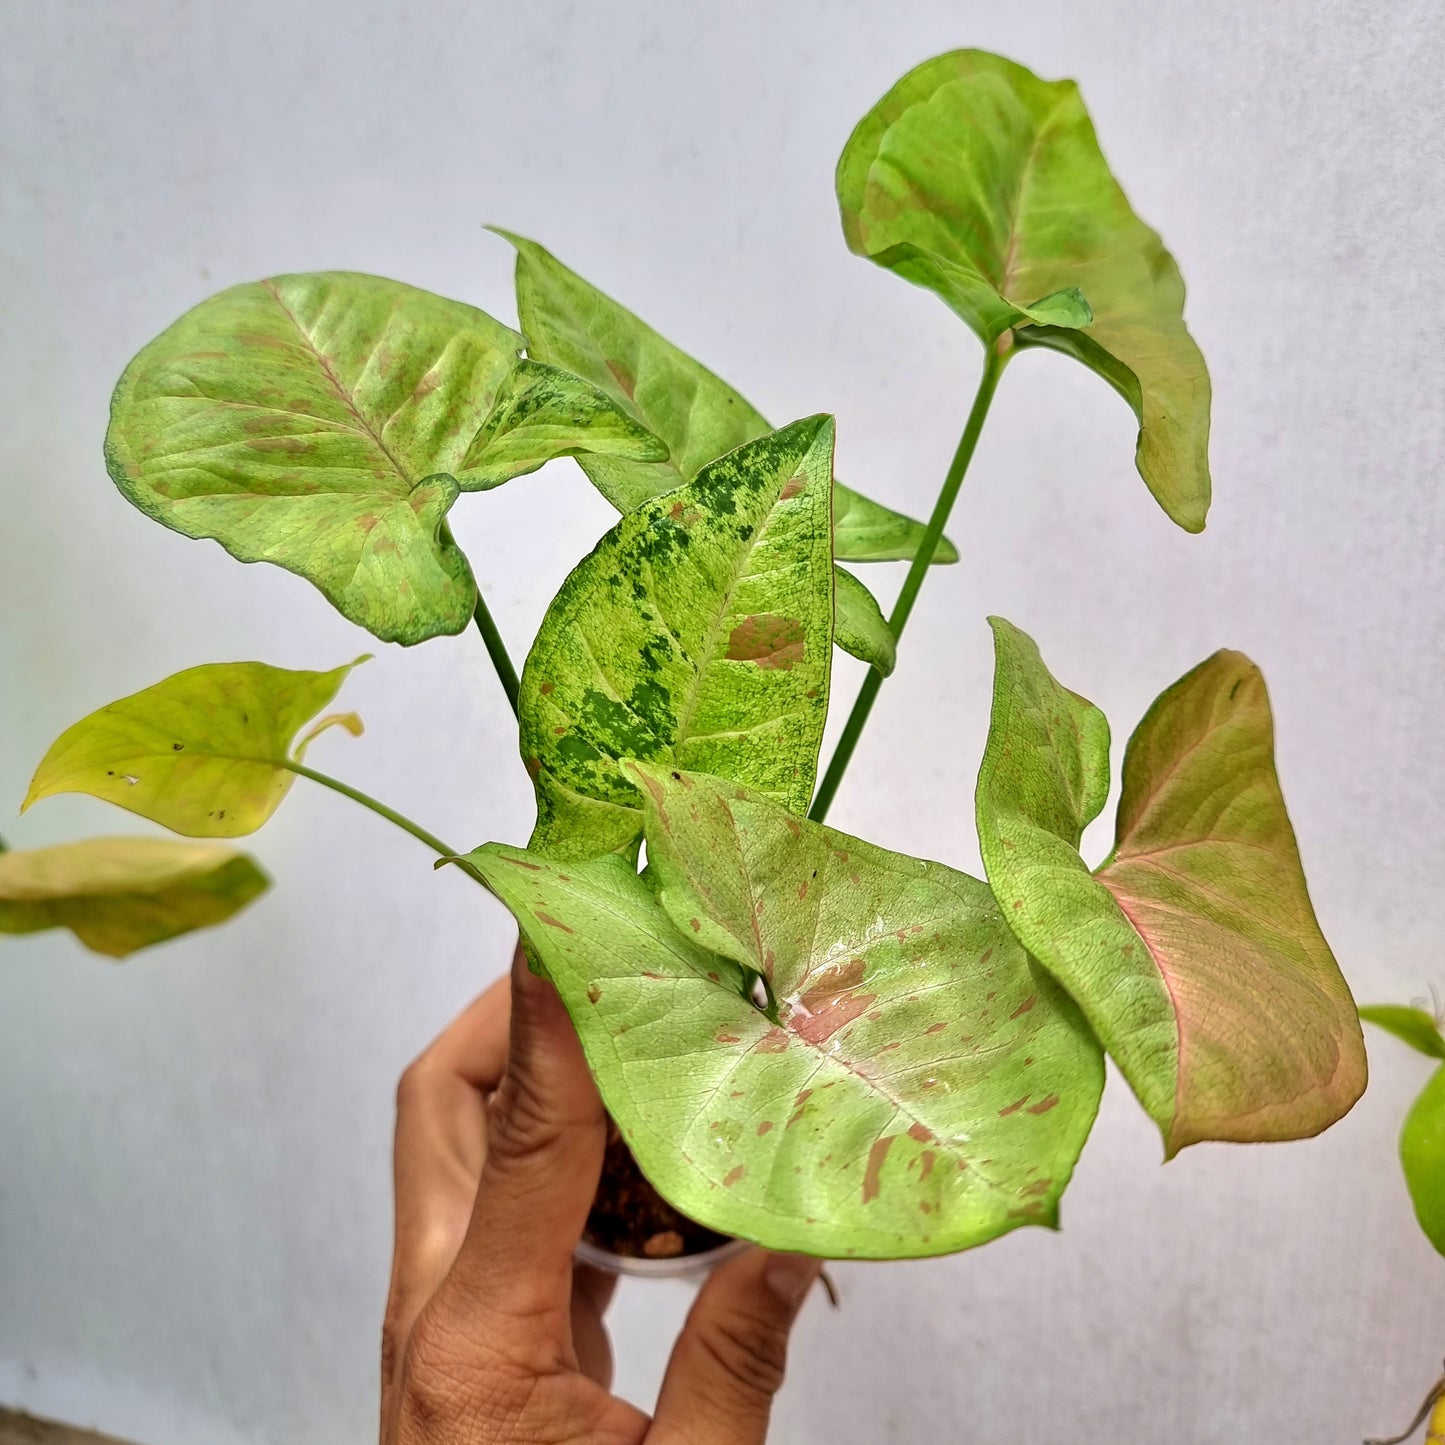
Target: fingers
x: 592, y: 1291
x: 729, y: 1360
x: 441, y: 1141
x: 547, y: 1136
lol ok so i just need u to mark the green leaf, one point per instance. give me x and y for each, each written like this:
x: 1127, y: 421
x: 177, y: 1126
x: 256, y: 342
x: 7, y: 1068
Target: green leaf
x: 1422, y: 1153
x: 699, y: 416
x: 542, y: 414
x: 926, y: 1087
x: 117, y: 895
x: 1194, y: 952
x: 321, y: 422
x: 204, y: 753
x: 860, y: 628
x: 1411, y: 1025
x: 699, y: 632
x: 976, y: 179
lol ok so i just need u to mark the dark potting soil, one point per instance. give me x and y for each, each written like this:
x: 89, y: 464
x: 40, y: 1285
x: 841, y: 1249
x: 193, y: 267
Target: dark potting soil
x: 632, y: 1219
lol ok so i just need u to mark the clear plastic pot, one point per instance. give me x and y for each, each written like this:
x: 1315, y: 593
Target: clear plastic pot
x: 679, y: 1266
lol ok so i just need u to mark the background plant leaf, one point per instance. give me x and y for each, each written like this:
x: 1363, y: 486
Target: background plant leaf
x: 927, y: 1088
x: 1194, y: 952
x: 859, y: 626
x: 570, y: 323
x: 1422, y: 1154
x: 976, y: 179
x: 698, y: 632
x: 204, y: 752
x: 1410, y: 1025
x: 320, y: 421
x: 543, y: 413
x: 117, y: 895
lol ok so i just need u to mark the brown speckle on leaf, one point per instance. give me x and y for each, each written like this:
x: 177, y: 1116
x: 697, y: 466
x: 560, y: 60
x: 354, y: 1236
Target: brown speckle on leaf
x: 593, y: 993
x: 872, y: 1175
x: 1025, y: 1006
x: 733, y: 1175
x: 921, y: 1132
x: 792, y: 488
x: 773, y: 1042
x: 1044, y: 1105
x: 768, y: 640
x: 765, y: 1127
x: 552, y: 922
x: 1013, y: 1108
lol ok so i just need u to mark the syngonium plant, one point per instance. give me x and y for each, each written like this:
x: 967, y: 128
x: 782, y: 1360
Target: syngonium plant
x: 806, y: 1040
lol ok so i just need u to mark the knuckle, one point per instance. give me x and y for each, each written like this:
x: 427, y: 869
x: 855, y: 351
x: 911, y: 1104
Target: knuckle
x: 521, y: 1122
x: 412, y: 1086
x: 751, y: 1353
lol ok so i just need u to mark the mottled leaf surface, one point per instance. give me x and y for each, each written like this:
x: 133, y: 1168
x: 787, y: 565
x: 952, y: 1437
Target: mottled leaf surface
x: 1422, y: 1153
x: 569, y: 322
x: 117, y: 895
x: 204, y: 753
x: 1410, y: 1025
x: 321, y: 422
x: 699, y: 632
x: 925, y: 1088
x: 1194, y: 951
x: 976, y: 179
x: 543, y: 413
x: 859, y: 626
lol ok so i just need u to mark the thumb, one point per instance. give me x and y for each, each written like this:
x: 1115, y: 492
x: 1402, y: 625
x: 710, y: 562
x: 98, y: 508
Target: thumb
x: 546, y: 1138
x: 729, y: 1360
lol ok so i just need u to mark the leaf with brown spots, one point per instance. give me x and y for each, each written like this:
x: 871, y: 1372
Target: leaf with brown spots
x: 117, y: 895
x: 326, y: 422
x: 828, y: 1130
x: 206, y: 752
x: 699, y: 632
x: 976, y: 179
x: 1193, y: 950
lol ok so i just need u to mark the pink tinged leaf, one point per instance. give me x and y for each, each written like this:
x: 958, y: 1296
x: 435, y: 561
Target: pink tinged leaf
x: 1195, y: 953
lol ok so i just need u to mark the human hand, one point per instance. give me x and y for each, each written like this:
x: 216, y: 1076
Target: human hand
x: 493, y: 1336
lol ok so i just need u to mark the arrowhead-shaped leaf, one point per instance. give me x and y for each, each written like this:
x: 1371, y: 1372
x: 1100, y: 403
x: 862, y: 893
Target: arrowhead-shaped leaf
x: 204, y: 753
x: 570, y: 323
x: 859, y: 625
x: 976, y: 179
x: 322, y: 422
x: 699, y: 632
x: 1410, y: 1025
x: 1422, y: 1153
x: 117, y: 895
x: 925, y: 1087
x: 1194, y: 951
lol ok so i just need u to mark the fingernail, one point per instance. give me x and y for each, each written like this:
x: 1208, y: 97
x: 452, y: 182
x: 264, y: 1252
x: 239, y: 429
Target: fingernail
x: 791, y: 1276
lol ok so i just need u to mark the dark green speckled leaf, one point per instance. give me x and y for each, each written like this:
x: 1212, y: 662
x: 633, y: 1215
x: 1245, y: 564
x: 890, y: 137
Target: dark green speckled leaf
x: 699, y: 632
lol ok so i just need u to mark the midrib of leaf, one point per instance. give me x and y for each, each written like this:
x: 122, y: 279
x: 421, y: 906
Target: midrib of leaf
x: 347, y: 400
x: 1025, y: 176
x: 684, y: 717
x: 1168, y: 983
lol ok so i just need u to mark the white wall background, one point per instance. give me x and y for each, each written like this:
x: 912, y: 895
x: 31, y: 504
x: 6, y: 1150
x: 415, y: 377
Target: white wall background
x: 194, y: 1204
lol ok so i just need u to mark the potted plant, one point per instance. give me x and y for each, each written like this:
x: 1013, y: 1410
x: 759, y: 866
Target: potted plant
x: 805, y: 1040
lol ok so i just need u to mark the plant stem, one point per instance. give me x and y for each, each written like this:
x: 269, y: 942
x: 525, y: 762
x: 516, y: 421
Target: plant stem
x: 922, y: 559
x: 497, y: 649
x: 366, y: 801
